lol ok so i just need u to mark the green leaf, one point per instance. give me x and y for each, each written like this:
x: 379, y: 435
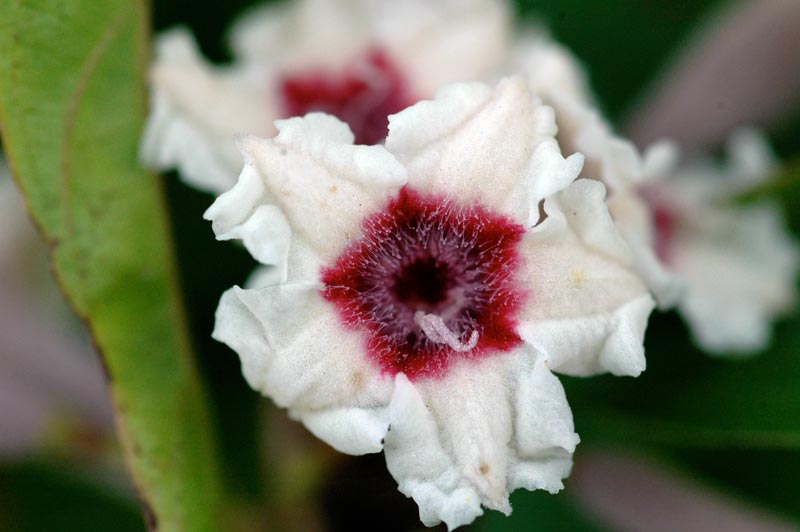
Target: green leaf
x: 72, y: 102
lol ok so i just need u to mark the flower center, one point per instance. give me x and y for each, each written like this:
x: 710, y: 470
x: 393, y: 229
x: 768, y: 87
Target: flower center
x: 429, y: 280
x: 364, y: 94
x: 424, y: 283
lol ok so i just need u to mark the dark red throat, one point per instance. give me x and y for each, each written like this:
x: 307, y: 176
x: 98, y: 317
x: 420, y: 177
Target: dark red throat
x: 430, y: 256
x: 363, y: 95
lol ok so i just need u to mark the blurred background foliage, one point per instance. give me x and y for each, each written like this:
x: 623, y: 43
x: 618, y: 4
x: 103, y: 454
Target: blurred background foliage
x: 735, y: 423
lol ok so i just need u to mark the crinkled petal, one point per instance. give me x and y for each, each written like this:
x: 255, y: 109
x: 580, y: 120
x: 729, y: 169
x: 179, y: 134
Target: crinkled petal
x: 555, y: 75
x: 423, y: 469
x: 474, y: 408
x: 587, y: 310
x: 544, y: 433
x: 266, y: 235
x: 442, y: 42
x: 483, y: 145
x: 581, y: 129
x: 634, y: 220
x: 241, y: 213
x: 294, y: 349
x: 582, y: 208
x: 301, y: 264
x: 315, y: 176
x: 461, y: 442
x: 608, y: 341
x: 196, y: 111
x: 618, y: 164
x: 660, y: 159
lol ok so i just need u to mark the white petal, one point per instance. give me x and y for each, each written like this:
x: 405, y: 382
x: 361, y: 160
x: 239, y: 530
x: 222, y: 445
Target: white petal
x: 235, y: 206
x: 353, y: 431
x: 544, y: 434
x: 320, y: 181
x: 583, y: 209
x: 546, y: 163
x: 441, y: 42
x: 556, y: 76
x: 751, y: 158
x: 260, y: 33
x: 473, y: 406
x: 611, y: 159
x: 483, y: 145
x: 196, y: 110
x: 489, y: 426
x: 740, y: 267
x: 423, y: 469
x: 294, y: 349
x: 304, y: 32
x: 552, y: 71
x: 265, y: 234
x: 666, y: 287
x: 660, y: 159
x: 634, y: 219
x: 241, y: 213
x: 263, y: 276
x: 301, y: 265
x: 609, y: 341
x: 587, y: 310
x: 543, y: 417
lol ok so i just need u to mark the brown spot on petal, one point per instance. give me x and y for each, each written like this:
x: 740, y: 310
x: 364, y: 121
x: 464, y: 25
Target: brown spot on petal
x: 357, y: 380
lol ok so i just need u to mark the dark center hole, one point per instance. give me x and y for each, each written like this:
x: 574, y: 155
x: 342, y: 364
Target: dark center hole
x: 423, y: 284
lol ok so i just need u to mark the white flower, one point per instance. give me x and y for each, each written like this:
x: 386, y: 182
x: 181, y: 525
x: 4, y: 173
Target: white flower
x: 558, y: 79
x: 739, y: 262
x: 360, y: 60
x: 418, y: 300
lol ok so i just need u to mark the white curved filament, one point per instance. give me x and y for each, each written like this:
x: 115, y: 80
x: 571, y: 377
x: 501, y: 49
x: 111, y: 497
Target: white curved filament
x: 435, y: 329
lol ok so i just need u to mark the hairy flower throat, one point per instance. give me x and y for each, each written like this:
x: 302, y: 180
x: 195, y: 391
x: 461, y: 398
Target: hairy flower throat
x: 429, y: 280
